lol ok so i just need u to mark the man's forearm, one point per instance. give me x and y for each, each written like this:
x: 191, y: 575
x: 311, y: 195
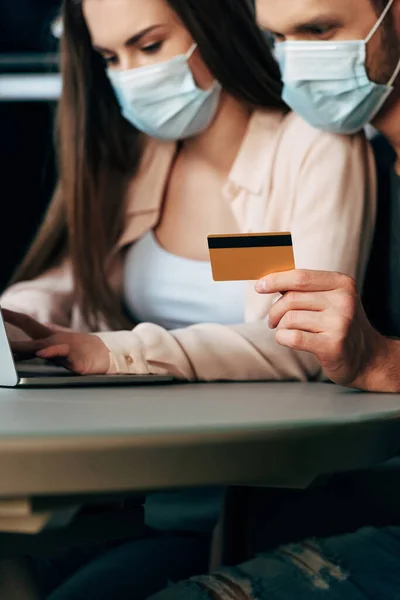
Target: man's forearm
x: 383, y: 371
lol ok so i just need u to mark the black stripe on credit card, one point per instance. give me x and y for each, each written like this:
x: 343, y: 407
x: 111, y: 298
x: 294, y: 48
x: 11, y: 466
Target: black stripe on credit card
x: 249, y: 241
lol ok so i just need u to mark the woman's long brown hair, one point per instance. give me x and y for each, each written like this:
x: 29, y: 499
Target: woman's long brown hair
x: 99, y: 151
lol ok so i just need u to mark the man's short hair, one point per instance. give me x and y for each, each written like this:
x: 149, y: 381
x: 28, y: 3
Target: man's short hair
x: 379, y: 5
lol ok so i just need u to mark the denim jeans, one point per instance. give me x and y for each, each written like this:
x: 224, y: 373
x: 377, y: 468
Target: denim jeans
x: 357, y: 566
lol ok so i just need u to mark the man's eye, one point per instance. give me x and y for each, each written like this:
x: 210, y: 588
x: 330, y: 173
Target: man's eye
x: 152, y: 48
x: 320, y: 31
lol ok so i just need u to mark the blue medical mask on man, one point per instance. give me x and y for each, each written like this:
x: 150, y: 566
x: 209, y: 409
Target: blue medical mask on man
x: 327, y: 83
x: 163, y: 100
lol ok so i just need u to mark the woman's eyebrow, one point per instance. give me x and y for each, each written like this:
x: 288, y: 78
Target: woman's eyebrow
x: 131, y: 41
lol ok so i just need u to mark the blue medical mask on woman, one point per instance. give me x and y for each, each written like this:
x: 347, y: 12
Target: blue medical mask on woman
x: 327, y: 84
x: 163, y: 100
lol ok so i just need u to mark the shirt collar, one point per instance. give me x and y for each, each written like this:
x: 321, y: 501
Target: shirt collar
x: 249, y: 171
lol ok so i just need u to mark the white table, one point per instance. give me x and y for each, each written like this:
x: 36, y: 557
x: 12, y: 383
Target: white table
x: 69, y: 441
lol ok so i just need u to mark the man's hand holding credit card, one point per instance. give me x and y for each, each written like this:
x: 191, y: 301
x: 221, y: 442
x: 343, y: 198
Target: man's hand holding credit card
x: 250, y: 256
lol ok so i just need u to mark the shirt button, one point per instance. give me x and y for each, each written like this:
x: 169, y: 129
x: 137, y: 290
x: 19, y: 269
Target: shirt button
x: 129, y: 360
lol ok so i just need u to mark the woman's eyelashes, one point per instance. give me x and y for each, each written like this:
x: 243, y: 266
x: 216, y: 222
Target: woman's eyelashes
x: 147, y: 49
x: 110, y: 61
x: 151, y: 48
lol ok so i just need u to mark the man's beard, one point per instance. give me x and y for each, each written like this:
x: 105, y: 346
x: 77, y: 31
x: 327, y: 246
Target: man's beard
x: 384, y: 61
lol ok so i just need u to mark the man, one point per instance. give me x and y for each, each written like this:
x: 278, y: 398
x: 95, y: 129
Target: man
x: 340, y: 60
x: 339, y: 87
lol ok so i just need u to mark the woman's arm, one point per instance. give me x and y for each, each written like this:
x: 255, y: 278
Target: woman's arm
x: 47, y: 299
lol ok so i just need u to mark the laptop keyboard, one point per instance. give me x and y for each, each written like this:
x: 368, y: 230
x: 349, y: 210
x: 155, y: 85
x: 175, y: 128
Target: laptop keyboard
x: 52, y: 373
x: 42, y: 370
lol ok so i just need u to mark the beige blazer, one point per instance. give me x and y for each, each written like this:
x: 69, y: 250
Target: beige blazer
x: 286, y: 177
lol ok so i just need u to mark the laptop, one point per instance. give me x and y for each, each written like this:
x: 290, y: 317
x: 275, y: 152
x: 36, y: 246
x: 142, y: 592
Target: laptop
x: 16, y: 375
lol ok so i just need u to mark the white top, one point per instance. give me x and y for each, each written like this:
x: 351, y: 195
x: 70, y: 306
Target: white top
x: 175, y: 292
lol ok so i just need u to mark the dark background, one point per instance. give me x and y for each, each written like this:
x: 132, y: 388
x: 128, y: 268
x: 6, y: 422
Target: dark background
x: 26, y: 138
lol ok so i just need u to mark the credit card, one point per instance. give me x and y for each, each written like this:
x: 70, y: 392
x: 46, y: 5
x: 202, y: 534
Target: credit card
x: 250, y: 256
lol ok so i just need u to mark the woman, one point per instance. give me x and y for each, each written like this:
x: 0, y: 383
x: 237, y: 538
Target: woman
x: 171, y: 127
x: 241, y: 164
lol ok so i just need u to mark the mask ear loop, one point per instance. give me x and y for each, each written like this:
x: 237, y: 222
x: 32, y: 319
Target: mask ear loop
x: 379, y: 22
x: 395, y: 74
x: 189, y: 55
x: 191, y: 51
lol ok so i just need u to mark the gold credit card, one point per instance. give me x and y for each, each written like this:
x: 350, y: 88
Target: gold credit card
x: 250, y: 256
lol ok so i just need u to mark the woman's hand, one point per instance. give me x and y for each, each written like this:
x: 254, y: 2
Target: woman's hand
x: 81, y: 353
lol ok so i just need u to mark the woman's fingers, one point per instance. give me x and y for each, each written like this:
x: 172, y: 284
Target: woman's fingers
x: 29, y: 348
x: 58, y: 328
x: 58, y: 351
x: 64, y: 355
x: 33, y: 328
x: 26, y: 350
x: 46, y: 349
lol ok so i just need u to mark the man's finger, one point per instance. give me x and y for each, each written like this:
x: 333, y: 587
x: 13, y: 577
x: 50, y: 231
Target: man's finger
x: 296, y: 301
x: 301, y: 281
x: 299, y: 340
x: 303, y: 320
x: 31, y: 327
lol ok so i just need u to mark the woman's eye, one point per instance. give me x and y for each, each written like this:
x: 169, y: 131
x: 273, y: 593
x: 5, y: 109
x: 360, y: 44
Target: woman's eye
x: 277, y: 37
x: 152, y: 48
x: 110, y: 60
